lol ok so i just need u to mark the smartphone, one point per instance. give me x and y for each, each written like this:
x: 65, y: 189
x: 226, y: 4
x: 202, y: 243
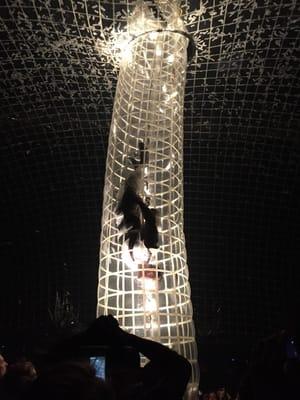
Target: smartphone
x: 98, y: 363
x: 291, y: 350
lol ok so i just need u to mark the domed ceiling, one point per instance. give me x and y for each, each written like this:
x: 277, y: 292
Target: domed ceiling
x: 59, y: 68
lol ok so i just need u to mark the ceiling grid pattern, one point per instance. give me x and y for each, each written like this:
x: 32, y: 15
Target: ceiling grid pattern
x: 59, y: 65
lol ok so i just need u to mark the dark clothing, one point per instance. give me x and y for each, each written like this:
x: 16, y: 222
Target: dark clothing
x: 165, y: 377
x: 138, y: 220
x: 275, y: 370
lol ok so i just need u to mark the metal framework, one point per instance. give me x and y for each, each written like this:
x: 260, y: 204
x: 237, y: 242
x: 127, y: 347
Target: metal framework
x: 145, y: 286
x: 241, y: 169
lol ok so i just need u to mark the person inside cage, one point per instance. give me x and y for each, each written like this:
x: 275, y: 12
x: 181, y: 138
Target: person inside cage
x: 139, y: 221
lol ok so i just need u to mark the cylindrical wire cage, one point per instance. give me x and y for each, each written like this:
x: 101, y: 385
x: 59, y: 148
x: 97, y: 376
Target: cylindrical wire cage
x: 148, y: 114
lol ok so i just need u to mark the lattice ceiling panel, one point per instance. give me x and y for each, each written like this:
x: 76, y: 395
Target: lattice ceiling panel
x: 59, y: 65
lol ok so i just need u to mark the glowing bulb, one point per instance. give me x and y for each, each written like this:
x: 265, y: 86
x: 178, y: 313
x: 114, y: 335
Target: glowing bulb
x: 150, y: 304
x: 158, y: 51
x: 168, y: 166
x: 164, y: 88
x: 171, y: 58
x: 153, y: 35
x: 140, y: 253
x: 149, y: 284
x: 126, y: 52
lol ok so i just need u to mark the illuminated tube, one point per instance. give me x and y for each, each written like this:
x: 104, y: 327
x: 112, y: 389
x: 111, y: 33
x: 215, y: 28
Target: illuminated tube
x: 146, y: 288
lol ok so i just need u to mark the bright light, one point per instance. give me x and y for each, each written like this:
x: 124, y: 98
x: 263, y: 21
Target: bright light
x: 158, y: 51
x: 140, y: 253
x: 153, y: 35
x: 150, y: 304
x: 147, y: 288
x: 126, y: 52
x: 149, y: 284
x: 173, y: 95
x: 171, y: 58
x: 121, y: 47
x: 127, y: 257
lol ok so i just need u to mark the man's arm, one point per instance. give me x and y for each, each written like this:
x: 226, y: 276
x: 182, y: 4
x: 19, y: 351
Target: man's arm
x: 167, y: 374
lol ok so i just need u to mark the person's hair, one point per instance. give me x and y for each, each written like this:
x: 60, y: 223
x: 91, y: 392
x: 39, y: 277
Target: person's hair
x: 69, y: 381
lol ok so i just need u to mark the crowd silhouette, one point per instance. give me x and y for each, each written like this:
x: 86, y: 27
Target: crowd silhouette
x: 67, y: 372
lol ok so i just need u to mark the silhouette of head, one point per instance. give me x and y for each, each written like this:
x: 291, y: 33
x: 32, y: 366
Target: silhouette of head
x: 69, y: 381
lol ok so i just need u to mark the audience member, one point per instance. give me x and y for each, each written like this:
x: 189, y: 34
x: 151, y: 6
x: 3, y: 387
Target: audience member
x: 165, y: 376
x: 69, y: 381
x: 17, y: 379
x: 222, y: 394
x: 3, y: 369
x: 3, y: 366
x: 275, y: 369
x: 210, y: 396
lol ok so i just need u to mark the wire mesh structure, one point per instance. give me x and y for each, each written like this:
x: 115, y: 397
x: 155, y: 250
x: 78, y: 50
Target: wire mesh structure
x: 241, y: 158
x: 146, y: 285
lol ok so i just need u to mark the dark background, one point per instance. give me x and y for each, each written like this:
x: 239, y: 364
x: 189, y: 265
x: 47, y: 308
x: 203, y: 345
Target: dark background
x: 241, y: 162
